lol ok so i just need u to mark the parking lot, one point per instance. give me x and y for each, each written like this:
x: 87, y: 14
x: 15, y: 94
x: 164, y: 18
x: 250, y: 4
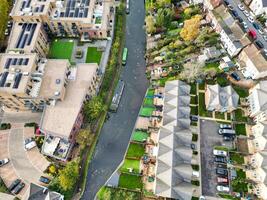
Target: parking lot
x: 25, y: 165
x: 209, y: 139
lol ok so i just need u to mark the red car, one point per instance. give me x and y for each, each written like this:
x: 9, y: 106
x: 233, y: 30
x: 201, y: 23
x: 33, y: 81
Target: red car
x: 222, y: 180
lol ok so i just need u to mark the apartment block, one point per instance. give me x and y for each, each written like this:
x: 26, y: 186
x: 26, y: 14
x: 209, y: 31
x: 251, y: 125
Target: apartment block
x: 258, y: 6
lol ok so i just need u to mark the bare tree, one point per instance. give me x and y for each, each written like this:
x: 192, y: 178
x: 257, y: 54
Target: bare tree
x: 192, y: 71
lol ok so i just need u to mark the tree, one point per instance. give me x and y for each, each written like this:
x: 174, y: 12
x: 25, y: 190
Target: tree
x: 191, y: 28
x: 84, y: 138
x: 68, y: 176
x: 192, y: 71
x: 163, y: 3
x: 150, y: 24
x: 93, y: 108
x: 4, y: 7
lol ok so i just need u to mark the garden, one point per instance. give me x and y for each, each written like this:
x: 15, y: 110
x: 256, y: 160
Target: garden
x: 240, y: 129
x: 202, y: 107
x: 108, y: 193
x: 239, y: 184
x: 130, y: 181
x: 147, y: 111
x: 140, y: 136
x: 61, y: 49
x: 236, y: 158
x: 135, y: 150
x: 93, y: 55
x: 130, y: 166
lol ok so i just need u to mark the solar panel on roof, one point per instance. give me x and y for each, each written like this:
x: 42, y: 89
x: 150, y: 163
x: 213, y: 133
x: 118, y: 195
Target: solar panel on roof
x: 85, y: 12
x: 62, y: 14
x: 17, y: 80
x: 67, y: 12
x: 7, y: 64
x: 72, y: 4
x: 71, y: 14
x: 26, y: 61
x: 83, y: 1
x: 68, y: 4
x: 80, y: 14
x: 31, y: 34
x: 24, y: 40
x: 87, y: 3
x: 36, y: 9
x: 3, y: 79
x: 22, y: 5
x: 14, y: 61
x: 29, y: 3
x: 76, y: 12
x: 42, y: 8
x: 20, y: 61
x: 21, y: 36
x: 29, y: 27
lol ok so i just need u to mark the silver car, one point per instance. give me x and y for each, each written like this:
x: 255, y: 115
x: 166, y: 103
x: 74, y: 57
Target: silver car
x: 4, y: 161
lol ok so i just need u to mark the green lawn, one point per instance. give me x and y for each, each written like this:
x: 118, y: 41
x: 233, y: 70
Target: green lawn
x: 214, y: 65
x: 150, y: 92
x: 222, y: 81
x: 239, y: 184
x: 219, y: 115
x: 146, y: 111
x: 236, y: 158
x: 93, y: 56
x: 140, y: 136
x: 61, y: 50
x: 130, y: 181
x: 193, y: 100
x: 201, y: 106
x: 201, y: 86
x: 135, y: 151
x: 194, y: 110
x: 193, y: 89
x: 149, y: 102
x: 108, y: 193
x: 128, y: 163
x: 240, y: 129
x: 241, y: 91
x: 239, y: 116
x: 3, y: 187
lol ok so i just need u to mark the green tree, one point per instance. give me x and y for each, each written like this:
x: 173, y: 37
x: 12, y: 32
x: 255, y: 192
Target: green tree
x: 4, y: 7
x: 69, y: 175
x: 150, y: 24
x: 84, y: 138
x: 163, y: 3
x: 93, y: 108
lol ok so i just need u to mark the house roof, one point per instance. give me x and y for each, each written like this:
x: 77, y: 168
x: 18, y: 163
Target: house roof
x: 221, y: 97
x: 37, y: 192
x: 173, y: 170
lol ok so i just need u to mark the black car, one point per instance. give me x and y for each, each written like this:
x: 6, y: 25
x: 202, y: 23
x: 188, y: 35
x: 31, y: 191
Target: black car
x: 14, y: 184
x: 226, y: 2
x: 194, y: 118
x: 256, y: 26
x: 236, y: 76
x: 240, y: 20
x: 259, y: 44
x: 220, y: 159
x: 234, y: 13
x: 44, y: 180
x: 221, y: 172
x: 18, y: 188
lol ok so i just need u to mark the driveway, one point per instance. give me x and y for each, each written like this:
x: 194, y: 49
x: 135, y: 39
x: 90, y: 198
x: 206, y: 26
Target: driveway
x: 116, y: 132
x: 208, y: 139
x: 26, y: 165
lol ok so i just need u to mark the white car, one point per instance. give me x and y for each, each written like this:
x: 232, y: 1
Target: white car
x: 6, y: 32
x: 241, y: 6
x: 250, y: 19
x: 261, y: 31
x: 29, y: 143
x: 222, y: 188
x: 219, y: 152
x: 246, y: 13
x: 265, y: 37
x: 245, y: 25
x: 4, y: 161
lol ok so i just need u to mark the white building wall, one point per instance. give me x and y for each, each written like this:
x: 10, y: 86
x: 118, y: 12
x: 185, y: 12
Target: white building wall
x: 256, y: 7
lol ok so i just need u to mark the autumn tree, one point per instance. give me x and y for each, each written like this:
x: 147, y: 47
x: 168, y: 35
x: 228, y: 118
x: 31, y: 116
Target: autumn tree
x: 84, y: 138
x: 191, y: 28
x: 69, y: 175
x: 192, y: 71
x: 150, y: 24
x: 93, y: 108
x: 4, y: 7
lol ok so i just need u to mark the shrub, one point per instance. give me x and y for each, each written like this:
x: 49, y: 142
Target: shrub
x: 5, y: 126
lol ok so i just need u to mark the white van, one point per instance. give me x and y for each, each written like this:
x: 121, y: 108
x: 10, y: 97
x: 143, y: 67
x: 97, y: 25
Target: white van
x: 223, y: 131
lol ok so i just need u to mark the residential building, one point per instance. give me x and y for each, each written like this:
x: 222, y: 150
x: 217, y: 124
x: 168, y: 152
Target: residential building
x: 232, y: 36
x: 226, y: 63
x: 86, y: 19
x: 257, y: 100
x: 253, y: 62
x: 221, y: 99
x: 37, y: 192
x: 173, y: 167
x: 258, y: 6
x: 60, y: 131
x: 211, y: 4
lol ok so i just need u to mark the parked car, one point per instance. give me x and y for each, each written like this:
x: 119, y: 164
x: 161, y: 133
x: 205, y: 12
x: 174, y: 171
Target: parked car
x: 236, y: 76
x: 261, y: 31
x: 193, y: 146
x: 222, y: 188
x: 223, y: 131
x: 246, y: 13
x: 7, y: 32
x: 226, y: 126
x: 226, y: 2
x: 259, y: 44
x: 14, y: 184
x: 9, y: 24
x: 4, y: 161
x: 256, y: 25
x: 240, y: 20
x: 18, y: 188
x: 220, y: 159
x: 245, y: 25
x: 44, y: 180
x: 219, y: 152
x: 265, y: 51
x: 222, y: 172
x: 29, y: 143
x: 234, y: 13
x: 194, y: 118
x: 230, y: 7
x: 222, y: 166
x: 250, y: 19
x: 265, y: 37
x: 227, y: 138
x: 222, y: 180
x: 241, y: 6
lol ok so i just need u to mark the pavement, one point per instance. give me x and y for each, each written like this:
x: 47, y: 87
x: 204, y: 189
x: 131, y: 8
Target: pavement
x: 26, y: 165
x: 20, y: 117
x: 235, y: 3
x: 116, y: 132
x: 208, y: 139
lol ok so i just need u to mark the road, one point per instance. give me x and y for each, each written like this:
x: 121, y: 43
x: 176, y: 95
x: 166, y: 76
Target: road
x: 116, y: 132
x: 235, y: 3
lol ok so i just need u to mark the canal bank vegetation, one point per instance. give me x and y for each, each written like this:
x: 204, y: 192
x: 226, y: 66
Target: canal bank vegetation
x: 96, y: 111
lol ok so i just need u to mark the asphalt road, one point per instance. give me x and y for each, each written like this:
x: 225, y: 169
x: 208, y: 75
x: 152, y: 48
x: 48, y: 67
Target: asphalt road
x: 235, y: 3
x: 209, y: 139
x: 116, y: 132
